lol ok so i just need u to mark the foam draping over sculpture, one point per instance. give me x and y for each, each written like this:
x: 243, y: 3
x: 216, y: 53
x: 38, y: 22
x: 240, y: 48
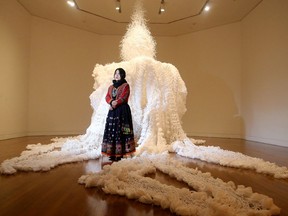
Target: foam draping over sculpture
x: 157, y: 100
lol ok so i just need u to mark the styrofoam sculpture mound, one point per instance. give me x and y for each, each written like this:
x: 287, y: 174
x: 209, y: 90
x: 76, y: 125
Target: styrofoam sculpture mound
x: 157, y: 101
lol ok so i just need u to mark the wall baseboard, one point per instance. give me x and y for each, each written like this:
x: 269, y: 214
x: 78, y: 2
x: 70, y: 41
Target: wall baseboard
x: 277, y: 142
x: 270, y: 141
x: 220, y: 135
x: 11, y: 136
x: 40, y: 133
x: 51, y: 133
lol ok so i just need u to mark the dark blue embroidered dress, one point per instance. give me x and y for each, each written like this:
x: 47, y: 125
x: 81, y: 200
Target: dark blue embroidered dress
x: 118, y: 139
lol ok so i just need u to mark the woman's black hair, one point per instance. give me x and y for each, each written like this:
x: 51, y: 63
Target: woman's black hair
x: 121, y: 72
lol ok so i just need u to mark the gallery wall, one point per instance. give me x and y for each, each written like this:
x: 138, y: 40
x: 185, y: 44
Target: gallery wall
x: 265, y: 73
x: 60, y: 81
x: 15, y: 23
x: 210, y: 64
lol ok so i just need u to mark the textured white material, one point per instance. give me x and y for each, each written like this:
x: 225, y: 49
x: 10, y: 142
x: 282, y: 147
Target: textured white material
x: 138, y: 40
x: 157, y: 101
x: 207, y: 196
x: 222, y: 157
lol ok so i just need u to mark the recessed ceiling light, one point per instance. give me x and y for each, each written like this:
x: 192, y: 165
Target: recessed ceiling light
x: 161, y: 9
x: 118, y: 6
x: 207, y: 8
x: 71, y: 3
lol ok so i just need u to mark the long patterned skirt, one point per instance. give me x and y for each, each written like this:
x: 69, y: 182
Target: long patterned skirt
x: 118, y: 139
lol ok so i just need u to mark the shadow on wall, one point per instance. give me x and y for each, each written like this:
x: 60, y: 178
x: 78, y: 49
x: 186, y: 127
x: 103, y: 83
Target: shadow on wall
x: 211, y: 108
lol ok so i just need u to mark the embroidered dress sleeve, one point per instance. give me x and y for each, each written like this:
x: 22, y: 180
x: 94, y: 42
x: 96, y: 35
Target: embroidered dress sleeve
x: 124, y: 95
x: 108, y: 97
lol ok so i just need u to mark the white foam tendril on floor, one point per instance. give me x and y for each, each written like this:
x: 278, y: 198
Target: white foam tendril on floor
x: 157, y: 101
x: 206, y: 195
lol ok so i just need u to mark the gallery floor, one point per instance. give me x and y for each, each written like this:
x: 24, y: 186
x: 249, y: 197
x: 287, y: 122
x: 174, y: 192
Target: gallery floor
x: 57, y: 192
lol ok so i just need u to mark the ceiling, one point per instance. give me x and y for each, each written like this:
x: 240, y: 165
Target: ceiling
x: 180, y: 16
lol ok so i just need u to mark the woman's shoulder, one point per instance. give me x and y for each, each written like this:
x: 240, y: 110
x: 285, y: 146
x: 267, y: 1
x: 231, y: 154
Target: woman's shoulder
x: 110, y: 87
x: 124, y: 85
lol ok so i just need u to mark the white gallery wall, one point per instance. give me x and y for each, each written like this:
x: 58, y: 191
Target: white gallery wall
x: 60, y: 80
x: 210, y: 64
x: 265, y: 73
x: 15, y: 23
x: 221, y: 67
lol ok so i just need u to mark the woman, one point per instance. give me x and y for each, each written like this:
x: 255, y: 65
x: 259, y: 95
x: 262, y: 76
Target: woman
x: 118, y: 137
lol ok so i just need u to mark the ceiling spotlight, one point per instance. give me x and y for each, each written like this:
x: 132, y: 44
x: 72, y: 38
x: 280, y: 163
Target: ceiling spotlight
x: 71, y: 3
x: 118, y: 6
x: 207, y: 8
x: 161, y: 9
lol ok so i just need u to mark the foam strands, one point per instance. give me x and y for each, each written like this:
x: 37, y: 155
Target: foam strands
x: 207, y: 196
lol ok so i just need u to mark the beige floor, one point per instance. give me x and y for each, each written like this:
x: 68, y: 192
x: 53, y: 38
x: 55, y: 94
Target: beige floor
x: 57, y: 193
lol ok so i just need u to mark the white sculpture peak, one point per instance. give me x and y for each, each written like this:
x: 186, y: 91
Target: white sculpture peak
x: 138, y: 40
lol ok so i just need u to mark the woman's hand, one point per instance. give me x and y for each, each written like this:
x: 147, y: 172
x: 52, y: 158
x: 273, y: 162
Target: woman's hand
x: 114, y: 103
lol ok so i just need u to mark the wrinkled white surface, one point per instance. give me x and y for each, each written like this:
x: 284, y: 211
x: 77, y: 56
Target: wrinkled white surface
x: 227, y: 158
x: 207, y: 196
x: 138, y: 40
x: 157, y: 101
